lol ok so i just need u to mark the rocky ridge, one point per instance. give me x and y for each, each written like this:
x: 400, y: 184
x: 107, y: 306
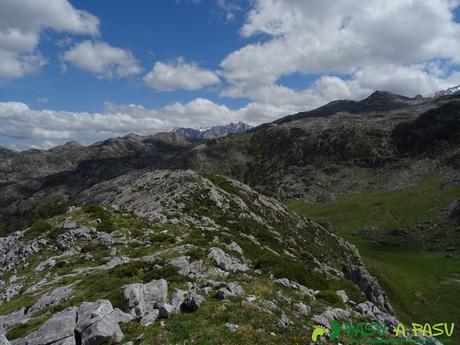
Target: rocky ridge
x: 150, y: 247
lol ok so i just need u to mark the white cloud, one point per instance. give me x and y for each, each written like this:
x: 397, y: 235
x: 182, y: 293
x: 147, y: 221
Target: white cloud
x: 230, y: 8
x: 21, y: 23
x: 102, y: 60
x: 179, y: 75
x: 396, y: 45
x: 24, y: 127
x: 42, y: 100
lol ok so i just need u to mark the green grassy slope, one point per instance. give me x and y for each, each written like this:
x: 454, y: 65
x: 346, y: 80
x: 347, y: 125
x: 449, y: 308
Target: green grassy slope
x: 423, y: 285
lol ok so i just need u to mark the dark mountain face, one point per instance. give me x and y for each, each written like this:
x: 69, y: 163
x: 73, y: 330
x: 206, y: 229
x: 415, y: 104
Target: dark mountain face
x: 324, y: 153
x: 437, y: 126
x: 379, y: 101
x: 132, y: 150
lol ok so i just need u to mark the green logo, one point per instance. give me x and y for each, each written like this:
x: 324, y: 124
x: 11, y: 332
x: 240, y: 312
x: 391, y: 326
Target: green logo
x: 319, y: 331
x: 380, y: 333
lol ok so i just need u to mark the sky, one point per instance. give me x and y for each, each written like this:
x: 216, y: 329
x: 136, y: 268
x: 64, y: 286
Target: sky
x: 89, y: 70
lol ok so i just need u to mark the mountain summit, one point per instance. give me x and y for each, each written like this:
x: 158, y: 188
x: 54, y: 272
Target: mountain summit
x: 452, y: 91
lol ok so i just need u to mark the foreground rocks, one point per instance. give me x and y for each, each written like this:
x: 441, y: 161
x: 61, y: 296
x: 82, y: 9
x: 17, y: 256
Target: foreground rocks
x: 56, y: 296
x: 231, y: 261
x: 229, y: 290
x: 225, y: 261
x: 92, y: 323
x: 3, y: 340
x: 145, y: 300
x: 368, y: 284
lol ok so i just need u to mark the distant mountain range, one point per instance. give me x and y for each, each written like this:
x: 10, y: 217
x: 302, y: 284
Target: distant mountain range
x: 212, y: 132
x: 452, y: 91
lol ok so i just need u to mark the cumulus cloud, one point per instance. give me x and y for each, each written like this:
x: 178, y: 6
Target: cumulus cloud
x: 395, y: 45
x: 23, y: 126
x: 179, y: 74
x: 351, y: 47
x: 101, y: 59
x: 230, y: 8
x: 42, y: 100
x: 21, y: 23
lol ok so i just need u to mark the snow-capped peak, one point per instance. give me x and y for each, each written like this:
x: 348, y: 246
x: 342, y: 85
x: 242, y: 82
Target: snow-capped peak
x: 448, y: 92
x: 213, y: 132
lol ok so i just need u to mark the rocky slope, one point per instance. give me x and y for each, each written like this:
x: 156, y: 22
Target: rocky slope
x: 385, y: 142
x: 337, y: 149
x: 130, y: 152
x: 158, y: 256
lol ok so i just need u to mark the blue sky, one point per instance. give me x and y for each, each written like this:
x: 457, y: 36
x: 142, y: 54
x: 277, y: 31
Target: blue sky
x: 151, y: 30
x: 87, y: 70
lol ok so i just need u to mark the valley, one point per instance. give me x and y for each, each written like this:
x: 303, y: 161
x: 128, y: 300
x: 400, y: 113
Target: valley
x: 394, y: 233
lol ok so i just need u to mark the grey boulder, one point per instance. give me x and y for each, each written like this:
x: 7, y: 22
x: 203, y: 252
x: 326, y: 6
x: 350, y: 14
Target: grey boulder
x: 193, y: 302
x: 174, y: 305
x: 186, y: 268
x: 368, y: 284
x: 166, y: 311
x: 90, y: 313
x: 303, y: 309
x: 56, y: 296
x: 371, y: 310
x: 343, y: 296
x: 229, y: 290
x: 232, y: 327
x: 3, y: 340
x: 102, y: 331
x: 14, y: 318
x: 57, y: 330
x: 330, y: 314
x: 225, y: 261
x: 283, y: 322
x: 11, y: 291
x: 98, y: 323
x: 150, y: 318
x: 143, y: 299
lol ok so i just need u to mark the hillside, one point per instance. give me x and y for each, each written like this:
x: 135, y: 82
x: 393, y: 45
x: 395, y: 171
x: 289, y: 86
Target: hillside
x: 218, y: 263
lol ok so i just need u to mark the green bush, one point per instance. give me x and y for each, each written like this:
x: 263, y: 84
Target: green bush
x: 93, y: 209
x: 168, y: 272
x: 106, y: 225
x: 38, y: 229
x: 331, y: 298
x: 162, y: 238
x: 299, y: 272
x: 29, y: 213
x: 134, y: 269
x: 98, y: 212
x: 55, y: 232
x: 196, y: 254
x: 352, y: 291
x: 21, y: 330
